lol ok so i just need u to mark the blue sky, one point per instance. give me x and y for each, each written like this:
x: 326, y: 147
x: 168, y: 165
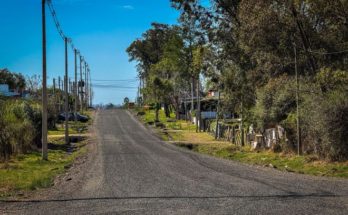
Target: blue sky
x: 101, y: 29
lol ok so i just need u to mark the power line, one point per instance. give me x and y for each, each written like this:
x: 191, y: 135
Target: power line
x: 120, y: 80
x: 61, y: 32
x: 114, y: 86
x: 58, y: 25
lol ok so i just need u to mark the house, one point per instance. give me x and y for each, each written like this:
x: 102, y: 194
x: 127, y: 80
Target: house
x: 212, y: 93
x: 5, y: 91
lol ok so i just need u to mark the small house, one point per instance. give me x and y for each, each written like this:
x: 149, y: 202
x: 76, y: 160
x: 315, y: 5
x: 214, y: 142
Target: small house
x: 5, y: 91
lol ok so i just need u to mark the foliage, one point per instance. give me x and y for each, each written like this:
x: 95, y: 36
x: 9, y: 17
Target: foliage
x: 18, y: 128
x: 29, y: 172
x: 275, y: 101
x: 324, y: 116
x: 246, y: 50
x: 15, y: 81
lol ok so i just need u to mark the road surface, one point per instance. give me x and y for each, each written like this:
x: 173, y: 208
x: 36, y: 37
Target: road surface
x: 133, y: 172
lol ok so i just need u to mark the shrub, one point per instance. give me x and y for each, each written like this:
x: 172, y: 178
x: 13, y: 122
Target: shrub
x: 324, y: 115
x: 18, y: 130
x: 325, y: 124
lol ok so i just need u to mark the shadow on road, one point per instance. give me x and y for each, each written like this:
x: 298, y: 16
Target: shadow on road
x: 291, y: 196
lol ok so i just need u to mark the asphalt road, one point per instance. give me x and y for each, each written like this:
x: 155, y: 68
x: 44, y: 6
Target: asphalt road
x: 133, y: 172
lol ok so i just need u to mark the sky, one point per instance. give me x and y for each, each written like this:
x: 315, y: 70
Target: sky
x: 100, y: 29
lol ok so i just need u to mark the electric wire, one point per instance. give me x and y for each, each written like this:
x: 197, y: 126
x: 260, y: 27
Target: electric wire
x: 59, y: 26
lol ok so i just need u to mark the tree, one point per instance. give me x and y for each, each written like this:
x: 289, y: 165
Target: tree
x: 15, y: 81
x: 161, y: 54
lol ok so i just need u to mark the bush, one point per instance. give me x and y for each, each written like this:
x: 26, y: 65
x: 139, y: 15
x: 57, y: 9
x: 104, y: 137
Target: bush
x: 275, y: 101
x: 18, y: 128
x: 324, y: 115
x: 325, y: 124
x: 323, y: 112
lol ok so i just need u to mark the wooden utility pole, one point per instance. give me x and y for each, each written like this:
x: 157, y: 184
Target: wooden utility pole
x: 44, y: 84
x: 185, y: 103
x: 66, y: 93
x: 75, y: 87
x: 241, y: 123
x: 192, y: 94
x: 298, y: 131
x: 198, y: 114
x: 217, y: 117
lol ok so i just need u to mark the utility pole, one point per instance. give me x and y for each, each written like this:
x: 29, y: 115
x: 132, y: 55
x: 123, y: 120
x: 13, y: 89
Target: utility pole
x: 54, y: 86
x: 198, y: 114
x: 86, y: 86
x: 54, y: 95
x: 217, y: 117
x: 44, y: 84
x: 185, y: 103
x: 59, y: 82
x: 241, y: 123
x: 90, y: 87
x: 66, y: 93
x: 298, y: 131
x: 58, y: 94
x: 81, y: 85
x: 192, y: 94
x: 75, y: 87
x: 70, y: 87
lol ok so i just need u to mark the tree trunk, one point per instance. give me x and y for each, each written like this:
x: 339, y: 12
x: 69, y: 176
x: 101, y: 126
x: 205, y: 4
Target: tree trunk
x: 166, y: 110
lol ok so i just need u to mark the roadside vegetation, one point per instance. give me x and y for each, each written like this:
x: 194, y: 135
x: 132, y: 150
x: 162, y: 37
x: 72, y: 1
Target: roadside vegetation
x: 21, y: 166
x: 27, y: 172
x: 275, y: 65
x: 183, y: 134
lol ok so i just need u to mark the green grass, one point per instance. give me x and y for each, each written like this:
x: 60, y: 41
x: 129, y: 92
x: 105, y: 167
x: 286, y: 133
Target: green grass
x: 173, y: 124
x: 60, y: 130
x: 30, y: 172
x: 183, y: 133
x: 285, y: 162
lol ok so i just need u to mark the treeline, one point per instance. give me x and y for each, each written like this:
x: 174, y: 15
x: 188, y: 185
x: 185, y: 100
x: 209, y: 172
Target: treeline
x: 250, y: 51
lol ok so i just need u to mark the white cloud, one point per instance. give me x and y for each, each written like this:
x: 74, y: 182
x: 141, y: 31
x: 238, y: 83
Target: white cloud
x: 128, y: 7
